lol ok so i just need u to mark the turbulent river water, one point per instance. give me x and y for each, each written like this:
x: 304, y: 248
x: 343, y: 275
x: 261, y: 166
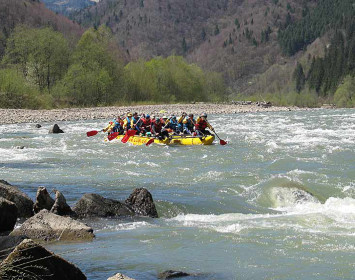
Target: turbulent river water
x: 277, y: 202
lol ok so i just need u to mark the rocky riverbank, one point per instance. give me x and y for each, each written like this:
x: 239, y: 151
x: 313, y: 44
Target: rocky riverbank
x: 10, y: 116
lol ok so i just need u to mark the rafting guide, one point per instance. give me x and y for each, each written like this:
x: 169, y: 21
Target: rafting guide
x: 164, y: 131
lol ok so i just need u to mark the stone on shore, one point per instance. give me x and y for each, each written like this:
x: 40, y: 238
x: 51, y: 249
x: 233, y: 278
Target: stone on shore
x: 142, y: 203
x: 94, y: 205
x: 8, y: 215
x: 60, y: 206
x: 119, y: 276
x: 43, y: 200
x: 169, y: 274
x: 56, y: 129
x: 22, y: 201
x: 48, y: 226
x: 30, y: 260
x: 8, y: 243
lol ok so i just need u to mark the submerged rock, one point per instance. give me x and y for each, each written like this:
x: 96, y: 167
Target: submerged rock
x: 8, y: 243
x: 23, y: 203
x: 8, y: 215
x: 142, y: 203
x: 43, y: 200
x: 94, y: 205
x: 30, y: 260
x: 60, y: 206
x: 48, y: 226
x: 38, y: 125
x: 119, y: 276
x: 169, y: 274
x: 56, y: 129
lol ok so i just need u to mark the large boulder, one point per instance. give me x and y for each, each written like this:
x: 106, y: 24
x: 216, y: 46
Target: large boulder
x: 8, y: 243
x: 60, y: 206
x: 141, y: 201
x: 29, y: 260
x: 8, y: 215
x: 56, y: 129
x: 43, y: 200
x: 48, y: 226
x: 23, y: 202
x: 119, y: 276
x: 94, y: 205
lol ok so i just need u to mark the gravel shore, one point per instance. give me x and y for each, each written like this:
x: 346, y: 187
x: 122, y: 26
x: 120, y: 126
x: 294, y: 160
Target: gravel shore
x: 10, y: 116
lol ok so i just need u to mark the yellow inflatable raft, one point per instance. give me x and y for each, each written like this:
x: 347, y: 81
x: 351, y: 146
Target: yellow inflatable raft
x: 172, y: 140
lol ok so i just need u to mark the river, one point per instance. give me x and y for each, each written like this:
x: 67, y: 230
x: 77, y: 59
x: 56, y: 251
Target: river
x: 277, y: 202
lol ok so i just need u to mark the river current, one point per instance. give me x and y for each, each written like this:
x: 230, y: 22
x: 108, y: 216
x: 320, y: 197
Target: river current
x: 277, y: 202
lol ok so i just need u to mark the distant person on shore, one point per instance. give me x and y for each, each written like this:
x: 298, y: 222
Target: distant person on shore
x: 202, y: 124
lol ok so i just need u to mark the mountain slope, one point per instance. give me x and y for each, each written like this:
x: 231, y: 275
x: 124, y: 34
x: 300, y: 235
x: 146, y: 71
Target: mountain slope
x: 68, y: 6
x: 33, y: 14
x: 235, y: 37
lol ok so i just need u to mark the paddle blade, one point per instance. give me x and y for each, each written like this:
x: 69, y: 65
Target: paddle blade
x: 128, y: 134
x: 112, y: 136
x: 91, y: 133
x: 149, y: 142
x: 222, y: 142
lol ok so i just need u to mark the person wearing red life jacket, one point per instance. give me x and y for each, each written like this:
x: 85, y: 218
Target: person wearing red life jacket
x: 145, y: 126
x: 202, y: 124
x: 157, y: 130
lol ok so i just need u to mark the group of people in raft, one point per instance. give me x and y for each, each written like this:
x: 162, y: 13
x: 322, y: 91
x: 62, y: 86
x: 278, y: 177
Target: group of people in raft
x: 152, y: 126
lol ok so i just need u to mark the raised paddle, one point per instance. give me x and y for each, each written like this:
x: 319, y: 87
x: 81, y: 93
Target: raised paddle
x: 221, y: 142
x: 92, y: 133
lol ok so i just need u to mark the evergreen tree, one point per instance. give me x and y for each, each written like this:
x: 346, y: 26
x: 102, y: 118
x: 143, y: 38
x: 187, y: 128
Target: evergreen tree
x: 299, y: 77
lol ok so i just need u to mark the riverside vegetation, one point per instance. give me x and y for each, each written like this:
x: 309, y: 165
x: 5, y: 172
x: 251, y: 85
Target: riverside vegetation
x: 285, y: 52
x: 43, y: 70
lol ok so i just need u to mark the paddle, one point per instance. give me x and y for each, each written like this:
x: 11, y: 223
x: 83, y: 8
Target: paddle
x: 112, y: 136
x: 149, y: 142
x: 129, y: 133
x: 221, y: 142
x: 92, y: 133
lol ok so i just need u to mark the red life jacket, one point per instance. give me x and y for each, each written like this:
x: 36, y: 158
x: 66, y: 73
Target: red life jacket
x: 201, y: 125
x: 146, y: 123
x: 157, y: 127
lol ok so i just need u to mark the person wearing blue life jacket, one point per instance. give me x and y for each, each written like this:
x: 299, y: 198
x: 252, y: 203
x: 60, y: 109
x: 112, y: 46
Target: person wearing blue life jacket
x: 172, y: 124
x: 127, y: 122
x: 189, y: 124
x: 118, y: 125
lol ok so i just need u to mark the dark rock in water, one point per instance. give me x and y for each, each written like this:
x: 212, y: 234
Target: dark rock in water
x: 38, y: 125
x: 8, y: 243
x: 169, y: 274
x: 60, y: 206
x: 30, y: 260
x: 20, y: 147
x: 142, y: 203
x: 119, y: 276
x: 23, y: 202
x: 94, y: 205
x: 8, y: 215
x: 48, y: 226
x: 55, y: 129
x: 43, y: 200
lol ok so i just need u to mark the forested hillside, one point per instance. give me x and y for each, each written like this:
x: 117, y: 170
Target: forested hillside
x: 290, y: 52
x: 32, y: 13
x: 67, y: 7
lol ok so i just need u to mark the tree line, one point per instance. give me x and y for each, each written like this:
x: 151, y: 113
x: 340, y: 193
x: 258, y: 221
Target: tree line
x: 41, y: 69
x: 333, y: 76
